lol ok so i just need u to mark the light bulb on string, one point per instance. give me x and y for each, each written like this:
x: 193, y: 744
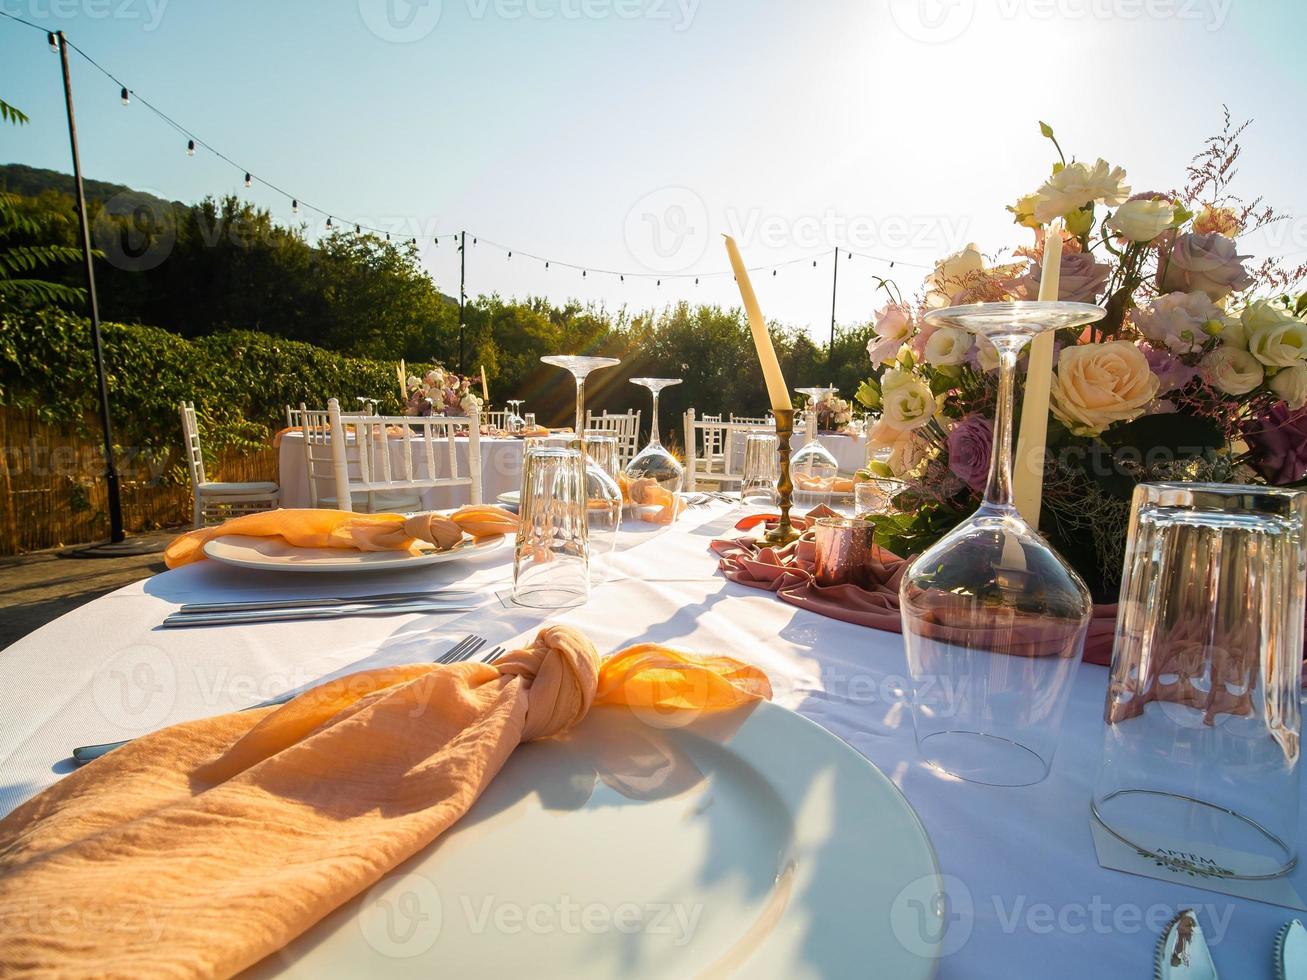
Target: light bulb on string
x: 249, y: 179
x: 358, y: 230
x: 622, y: 278
x: 582, y: 273
x: 328, y: 221
x: 387, y: 236
x: 546, y: 265
x: 190, y: 148
x: 125, y: 96
x: 54, y: 42
x: 510, y: 256
x: 294, y: 206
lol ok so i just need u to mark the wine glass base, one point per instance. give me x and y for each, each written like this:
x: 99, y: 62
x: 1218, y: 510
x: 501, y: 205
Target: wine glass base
x: 549, y: 598
x: 978, y: 757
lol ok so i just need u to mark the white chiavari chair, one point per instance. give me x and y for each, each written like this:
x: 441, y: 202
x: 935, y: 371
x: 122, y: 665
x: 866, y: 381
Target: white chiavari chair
x: 626, y: 427
x: 398, y: 457
x: 768, y: 420
x: 714, y: 452
x: 497, y: 420
x: 216, y: 502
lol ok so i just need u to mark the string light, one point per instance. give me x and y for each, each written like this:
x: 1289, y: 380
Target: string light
x: 249, y: 181
x: 294, y: 206
x: 53, y: 41
x: 125, y: 96
x: 358, y: 230
x: 328, y: 221
x: 190, y: 148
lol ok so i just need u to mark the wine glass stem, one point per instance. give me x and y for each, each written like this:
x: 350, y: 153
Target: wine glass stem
x: 998, y: 492
x: 580, y: 404
x: 653, y: 432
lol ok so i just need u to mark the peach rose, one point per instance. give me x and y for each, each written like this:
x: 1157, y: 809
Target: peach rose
x: 1099, y: 384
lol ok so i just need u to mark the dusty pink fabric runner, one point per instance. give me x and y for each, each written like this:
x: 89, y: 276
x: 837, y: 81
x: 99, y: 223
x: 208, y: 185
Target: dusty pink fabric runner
x: 787, y: 571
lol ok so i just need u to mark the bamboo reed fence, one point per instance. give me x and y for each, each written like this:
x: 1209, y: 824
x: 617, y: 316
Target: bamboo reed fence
x: 53, y: 493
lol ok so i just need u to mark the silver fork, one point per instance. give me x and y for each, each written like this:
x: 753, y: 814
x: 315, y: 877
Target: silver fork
x: 463, y: 650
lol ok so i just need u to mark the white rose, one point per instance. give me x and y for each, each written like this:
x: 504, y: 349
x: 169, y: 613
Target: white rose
x: 986, y: 354
x: 1231, y: 370
x: 1179, y: 322
x: 1098, y: 384
x: 953, y: 275
x: 1142, y: 221
x: 906, y: 401
x: 1233, y: 333
x: 947, y: 346
x: 1275, y: 338
x: 1291, y: 384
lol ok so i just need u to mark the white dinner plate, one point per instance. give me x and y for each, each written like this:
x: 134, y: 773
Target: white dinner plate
x: 510, y: 498
x: 275, y: 554
x: 748, y: 843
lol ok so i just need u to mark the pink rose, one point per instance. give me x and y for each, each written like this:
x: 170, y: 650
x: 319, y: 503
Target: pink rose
x: 970, y: 443
x: 893, y: 326
x: 1081, y: 281
x: 1207, y: 263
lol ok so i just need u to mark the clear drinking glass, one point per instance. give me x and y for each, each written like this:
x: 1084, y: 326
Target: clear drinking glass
x: 551, y: 562
x: 604, y: 510
x: 653, y: 462
x: 1199, y: 768
x: 994, y: 621
x: 514, y: 423
x: 761, y: 470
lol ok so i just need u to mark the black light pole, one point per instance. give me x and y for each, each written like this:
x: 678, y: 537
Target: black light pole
x: 834, y: 290
x: 462, y: 294
x: 116, y: 533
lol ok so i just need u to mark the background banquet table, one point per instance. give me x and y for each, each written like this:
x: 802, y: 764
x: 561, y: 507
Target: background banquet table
x: 501, y: 470
x: 1025, y: 888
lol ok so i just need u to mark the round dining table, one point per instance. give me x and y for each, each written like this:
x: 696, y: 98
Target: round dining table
x: 501, y: 470
x: 1023, y: 894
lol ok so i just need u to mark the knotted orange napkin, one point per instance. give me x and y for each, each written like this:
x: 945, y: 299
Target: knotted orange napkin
x: 662, y: 506
x: 343, y: 529
x: 823, y: 484
x: 200, y: 849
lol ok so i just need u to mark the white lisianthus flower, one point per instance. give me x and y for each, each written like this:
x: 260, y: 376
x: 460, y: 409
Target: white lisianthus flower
x: 893, y: 326
x: 1231, y: 370
x: 1076, y: 185
x: 906, y: 401
x: 1099, y: 384
x: 1142, y: 220
x: 952, y: 274
x: 1233, y: 333
x: 906, y: 450
x: 947, y: 346
x: 1291, y: 384
x: 1275, y: 337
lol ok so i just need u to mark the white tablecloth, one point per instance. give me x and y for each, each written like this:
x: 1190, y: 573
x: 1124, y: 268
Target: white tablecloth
x: 1028, y: 896
x: 501, y: 471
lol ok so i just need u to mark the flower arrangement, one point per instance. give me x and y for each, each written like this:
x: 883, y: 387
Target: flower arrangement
x: 834, y: 414
x: 440, y: 392
x: 1197, y: 372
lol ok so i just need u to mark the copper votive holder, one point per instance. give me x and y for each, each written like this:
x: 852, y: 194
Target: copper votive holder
x: 843, y: 547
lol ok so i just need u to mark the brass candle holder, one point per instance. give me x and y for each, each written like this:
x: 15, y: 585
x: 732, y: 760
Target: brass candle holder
x: 784, y: 532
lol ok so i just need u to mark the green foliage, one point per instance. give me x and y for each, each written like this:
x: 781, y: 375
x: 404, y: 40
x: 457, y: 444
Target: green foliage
x: 240, y: 381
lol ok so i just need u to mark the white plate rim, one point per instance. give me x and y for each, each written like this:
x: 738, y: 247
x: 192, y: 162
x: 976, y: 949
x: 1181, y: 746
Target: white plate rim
x: 342, y: 560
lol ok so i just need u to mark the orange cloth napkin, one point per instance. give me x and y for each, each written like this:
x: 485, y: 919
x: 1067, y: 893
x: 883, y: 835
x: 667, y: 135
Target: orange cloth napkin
x: 346, y: 530
x: 200, y: 849
x: 823, y: 484
x: 661, y: 506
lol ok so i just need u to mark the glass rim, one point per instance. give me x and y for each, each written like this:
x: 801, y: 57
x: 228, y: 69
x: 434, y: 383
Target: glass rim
x: 1008, y: 316
x: 1238, y: 498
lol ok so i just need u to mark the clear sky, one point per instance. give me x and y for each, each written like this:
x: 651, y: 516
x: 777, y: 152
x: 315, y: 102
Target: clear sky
x: 627, y: 134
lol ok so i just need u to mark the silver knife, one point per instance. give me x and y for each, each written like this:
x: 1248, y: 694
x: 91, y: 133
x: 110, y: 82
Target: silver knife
x: 189, y: 620
x: 1291, y: 952
x: 253, y: 605
x: 1182, y: 952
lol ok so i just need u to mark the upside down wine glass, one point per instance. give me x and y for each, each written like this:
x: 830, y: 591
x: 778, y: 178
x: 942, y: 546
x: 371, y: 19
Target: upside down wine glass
x: 603, y: 495
x: 812, y: 460
x: 514, y: 423
x: 653, y: 462
x: 994, y: 621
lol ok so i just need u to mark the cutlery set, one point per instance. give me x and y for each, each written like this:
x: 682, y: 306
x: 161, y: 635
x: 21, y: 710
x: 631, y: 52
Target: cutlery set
x: 444, y: 601
x: 1182, y: 952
